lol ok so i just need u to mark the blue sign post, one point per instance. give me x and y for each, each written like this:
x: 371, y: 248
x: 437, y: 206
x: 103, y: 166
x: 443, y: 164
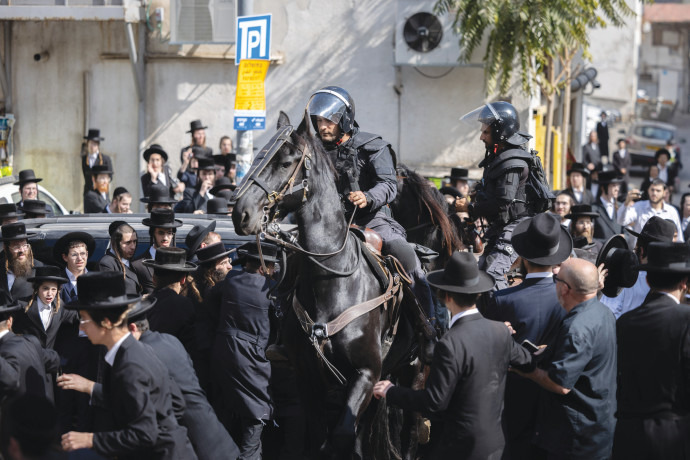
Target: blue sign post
x: 253, y: 38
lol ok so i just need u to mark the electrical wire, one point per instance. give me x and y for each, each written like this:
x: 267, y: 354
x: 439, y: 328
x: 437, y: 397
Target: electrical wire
x: 433, y: 76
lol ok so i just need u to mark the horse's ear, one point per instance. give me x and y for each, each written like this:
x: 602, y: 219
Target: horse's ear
x: 283, y: 120
x: 304, y: 127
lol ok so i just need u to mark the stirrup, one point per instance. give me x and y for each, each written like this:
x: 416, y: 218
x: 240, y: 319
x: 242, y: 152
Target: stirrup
x: 276, y: 354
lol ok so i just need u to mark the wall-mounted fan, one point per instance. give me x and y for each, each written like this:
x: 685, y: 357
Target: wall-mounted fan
x: 423, y: 32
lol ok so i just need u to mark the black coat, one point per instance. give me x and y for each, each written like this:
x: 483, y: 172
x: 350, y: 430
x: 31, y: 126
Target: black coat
x: 533, y: 310
x: 94, y: 202
x: 109, y: 263
x: 191, y: 201
x: 622, y: 163
x: 144, y: 273
x: 208, y: 436
x: 587, y: 197
x: 86, y: 170
x: 653, y: 380
x: 146, y: 182
x: 241, y: 309
x: 603, y: 135
x: 604, y: 226
x: 137, y: 393
x: 25, y: 367
x: 174, y: 314
x: 465, y: 387
x: 591, y: 154
x: 64, y: 322
x: 21, y: 288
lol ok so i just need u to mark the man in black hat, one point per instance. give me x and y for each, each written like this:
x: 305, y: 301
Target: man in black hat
x: 622, y: 162
x: 582, y: 227
x: 655, y: 230
x: 653, y: 352
x: 190, y: 153
x: 240, y: 308
x: 162, y: 228
x: 222, y: 183
x: 196, y: 237
x: 158, y: 198
x: 17, y: 263
x: 591, y: 155
x: 576, y: 417
x: 96, y: 199
x: 219, y: 207
x: 29, y: 429
x: 118, y: 257
x: 137, y: 389
x: 472, y: 356
x: 603, y: 135
x: 72, y: 251
x: 158, y: 173
x: 121, y: 202
x: 667, y: 171
x: 578, y: 189
x: 93, y: 157
x: 459, y: 179
x: 28, y: 188
x: 533, y: 310
x: 25, y: 366
x: 9, y: 213
x: 606, y: 225
x: 33, y: 209
x: 194, y: 200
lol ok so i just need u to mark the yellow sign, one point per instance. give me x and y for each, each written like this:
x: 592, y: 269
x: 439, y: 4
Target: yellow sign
x: 251, y: 93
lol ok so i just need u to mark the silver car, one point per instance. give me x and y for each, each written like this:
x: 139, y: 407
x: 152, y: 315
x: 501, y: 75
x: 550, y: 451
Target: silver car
x: 645, y: 137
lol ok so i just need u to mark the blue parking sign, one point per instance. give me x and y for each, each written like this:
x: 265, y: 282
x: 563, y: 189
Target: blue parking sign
x: 253, y: 37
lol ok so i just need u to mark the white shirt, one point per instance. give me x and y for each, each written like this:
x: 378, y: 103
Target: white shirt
x: 73, y: 279
x: 45, y: 312
x: 609, y: 206
x: 663, y: 173
x: 152, y: 251
x: 457, y: 316
x: 92, y: 159
x: 672, y: 296
x: 110, y: 355
x: 548, y: 274
x: 4, y: 333
x: 629, y: 298
x: 684, y: 224
x: 638, y: 214
x: 578, y: 194
x: 124, y: 261
x: 622, y: 153
x: 10, y: 280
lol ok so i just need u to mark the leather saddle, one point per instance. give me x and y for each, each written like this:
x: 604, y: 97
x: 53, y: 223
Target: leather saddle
x: 369, y: 236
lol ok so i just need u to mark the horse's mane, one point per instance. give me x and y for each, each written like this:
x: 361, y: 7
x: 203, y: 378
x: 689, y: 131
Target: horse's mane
x: 430, y: 198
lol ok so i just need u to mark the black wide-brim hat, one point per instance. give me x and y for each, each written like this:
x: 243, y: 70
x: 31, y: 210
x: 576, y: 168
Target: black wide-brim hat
x: 15, y: 231
x: 662, y: 151
x: 268, y: 251
x: 656, y: 229
x: 162, y: 218
x: 170, y: 259
x: 141, y: 310
x: 223, y: 183
x: 459, y: 174
x: 8, y: 310
x: 62, y: 244
x: 49, y: 273
x: 155, y: 148
x: 195, y: 126
x: 212, y: 253
x: 8, y: 210
x: 672, y: 258
x: 158, y: 194
x: 452, y: 191
x: 196, y: 235
x: 610, y: 177
x: 94, y: 135
x: 101, y: 169
x: 622, y: 264
x: 33, y: 207
x: 461, y: 275
x: 542, y: 240
x: 578, y: 167
x: 26, y: 176
x: 217, y: 206
x: 581, y: 210
x: 104, y: 290
x: 205, y: 164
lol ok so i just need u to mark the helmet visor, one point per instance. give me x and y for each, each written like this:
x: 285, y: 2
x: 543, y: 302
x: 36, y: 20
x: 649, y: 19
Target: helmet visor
x: 486, y: 114
x: 326, y: 105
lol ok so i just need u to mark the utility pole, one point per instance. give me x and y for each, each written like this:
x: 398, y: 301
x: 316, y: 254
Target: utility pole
x: 245, y: 139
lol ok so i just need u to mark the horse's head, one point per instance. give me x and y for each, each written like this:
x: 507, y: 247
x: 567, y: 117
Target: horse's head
x: 277, y: 179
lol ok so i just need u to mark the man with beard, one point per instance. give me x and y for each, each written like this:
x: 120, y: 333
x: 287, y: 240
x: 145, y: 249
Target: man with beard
x: 582, y: 228
x: 93, y: 157
x: 195, y: 199
x: 28, y: 188
x: 16, y: 263
x: 96, y: 200
x: 162, y: 228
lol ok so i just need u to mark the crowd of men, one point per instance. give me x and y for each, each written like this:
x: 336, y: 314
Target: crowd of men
x: 558, y: 341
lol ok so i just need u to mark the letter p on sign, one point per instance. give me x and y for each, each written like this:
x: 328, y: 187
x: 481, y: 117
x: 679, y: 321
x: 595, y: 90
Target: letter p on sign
x: 253, y: 37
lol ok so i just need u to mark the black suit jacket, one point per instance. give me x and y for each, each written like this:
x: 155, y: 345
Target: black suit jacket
x: 210, y: 439
x: 64, y: 322
x: 587, y: 197
x: 25, y: 367
x: 138, y: 395
x: 21, y: 288
x: 144, y: 274
x: 146, y: 181
x: 174, y: 314
x: 622, y: 163
x: 591, y: 154
x: 603, y: 134
x: 471, y: 358
x: 191, y: 201
x: 604, y: 226
x: 86, y: 170
x: 109, y: 263
x: 94, y: 202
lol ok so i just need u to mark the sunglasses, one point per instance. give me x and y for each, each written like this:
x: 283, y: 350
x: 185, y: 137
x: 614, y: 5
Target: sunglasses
x: 557, y: 279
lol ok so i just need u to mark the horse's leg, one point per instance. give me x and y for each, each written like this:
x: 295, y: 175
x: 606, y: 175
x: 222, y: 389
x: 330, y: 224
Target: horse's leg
x: 344, y: 437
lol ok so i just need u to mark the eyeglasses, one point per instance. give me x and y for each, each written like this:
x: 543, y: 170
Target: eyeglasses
x: 19, y: 247
x: 84, y: 321
x: 557, y: 279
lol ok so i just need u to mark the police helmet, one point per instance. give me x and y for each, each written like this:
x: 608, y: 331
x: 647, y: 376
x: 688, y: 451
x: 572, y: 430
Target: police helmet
x: 335, y: 104
x: 503, y: 120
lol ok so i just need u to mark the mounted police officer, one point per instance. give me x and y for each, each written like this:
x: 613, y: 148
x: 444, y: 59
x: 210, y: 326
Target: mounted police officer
x: 500, y: 197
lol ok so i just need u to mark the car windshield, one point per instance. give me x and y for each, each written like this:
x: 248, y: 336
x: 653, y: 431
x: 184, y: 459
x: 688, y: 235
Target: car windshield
x: 654, y: 132
x: 16, y: 198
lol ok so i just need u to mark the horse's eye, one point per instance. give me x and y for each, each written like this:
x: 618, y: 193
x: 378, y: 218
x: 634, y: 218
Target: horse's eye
x: 287, y: 164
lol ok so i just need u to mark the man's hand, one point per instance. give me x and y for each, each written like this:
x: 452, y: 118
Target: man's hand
x: 75, y: 382
x: 381, y: 388
x: 461, y: 205
x: 591, y: 166
x: 633, y: 195
x: 603, y: 273
x: 510, y: 327
x: 75, y: 440
x: 358, y: 198
x: 152, y: 172
x: 624, y: 171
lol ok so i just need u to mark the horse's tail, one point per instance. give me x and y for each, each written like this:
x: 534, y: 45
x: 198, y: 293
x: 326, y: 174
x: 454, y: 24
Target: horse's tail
x: 380, y: 437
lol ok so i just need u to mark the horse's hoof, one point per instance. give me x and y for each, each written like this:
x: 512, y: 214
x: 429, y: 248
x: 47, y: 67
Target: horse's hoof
x: 423, y: 430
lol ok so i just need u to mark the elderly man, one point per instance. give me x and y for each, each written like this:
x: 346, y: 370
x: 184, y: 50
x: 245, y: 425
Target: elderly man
x: 591, y: 155
x: 582, y: 227
x: 577, y: 419
x: 17, y: 263
x: 28, y: 188
x: 96, y: 200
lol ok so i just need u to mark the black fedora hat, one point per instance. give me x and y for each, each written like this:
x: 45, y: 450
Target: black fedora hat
x: 542, y: 240
x: 159, y: 194
x: 660, y: 152
x: 656, y: 229
x: 196, y: 235
x: 205, y: 163
x: 452, y: 191
x: 578, y: 167
x: 222, y: 183
x: 196, y: 125
x: 268, y: 250
x: 202, y: 152
x: 102, y: 291
x: 622, y: 264
x: 229, y: 196
x: 27, y: 175
x: 668, y: 258
x: 62, y: 245
x: 610, y: 177
x: 8, y: 310
x: 155, y: 148
x: 461, y: 274
x: 15, y: 231
x: 170, y: 259
x: 94, y: 135
x: 217, y: 206
x: 33, y: 207
x: 49, y: 273
x: 101, y: 169
x: 211, y: 253
x: 8, y: 210
x: 581, y: 210
x: 141, y: 310
x: 162, y: 218
x: 114, y: 225
x: 459, y: 174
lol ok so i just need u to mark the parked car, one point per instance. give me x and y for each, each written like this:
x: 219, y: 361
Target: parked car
x: 645, y: 137
x: 9, y: 193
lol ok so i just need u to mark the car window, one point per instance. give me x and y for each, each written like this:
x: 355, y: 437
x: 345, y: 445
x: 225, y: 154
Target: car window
x: 654, y: 132
x: 17, y: 197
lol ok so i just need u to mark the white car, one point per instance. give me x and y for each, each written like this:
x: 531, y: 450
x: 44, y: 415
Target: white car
x: 645, y: 137
x: 9, y: 193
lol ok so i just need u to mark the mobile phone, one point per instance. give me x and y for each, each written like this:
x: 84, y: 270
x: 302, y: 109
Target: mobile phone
x: 529, y: 346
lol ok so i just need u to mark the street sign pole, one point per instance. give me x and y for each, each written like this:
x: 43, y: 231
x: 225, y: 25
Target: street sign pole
x: 245, y: 138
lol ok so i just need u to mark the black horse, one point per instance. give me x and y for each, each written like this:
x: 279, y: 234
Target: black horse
x: 297, y: 176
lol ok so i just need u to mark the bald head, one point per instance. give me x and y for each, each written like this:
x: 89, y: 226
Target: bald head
x: 581, y: 274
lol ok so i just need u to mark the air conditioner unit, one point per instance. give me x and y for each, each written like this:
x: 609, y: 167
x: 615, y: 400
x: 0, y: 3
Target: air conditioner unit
x: 423, y: 38
x: 202, y: 21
